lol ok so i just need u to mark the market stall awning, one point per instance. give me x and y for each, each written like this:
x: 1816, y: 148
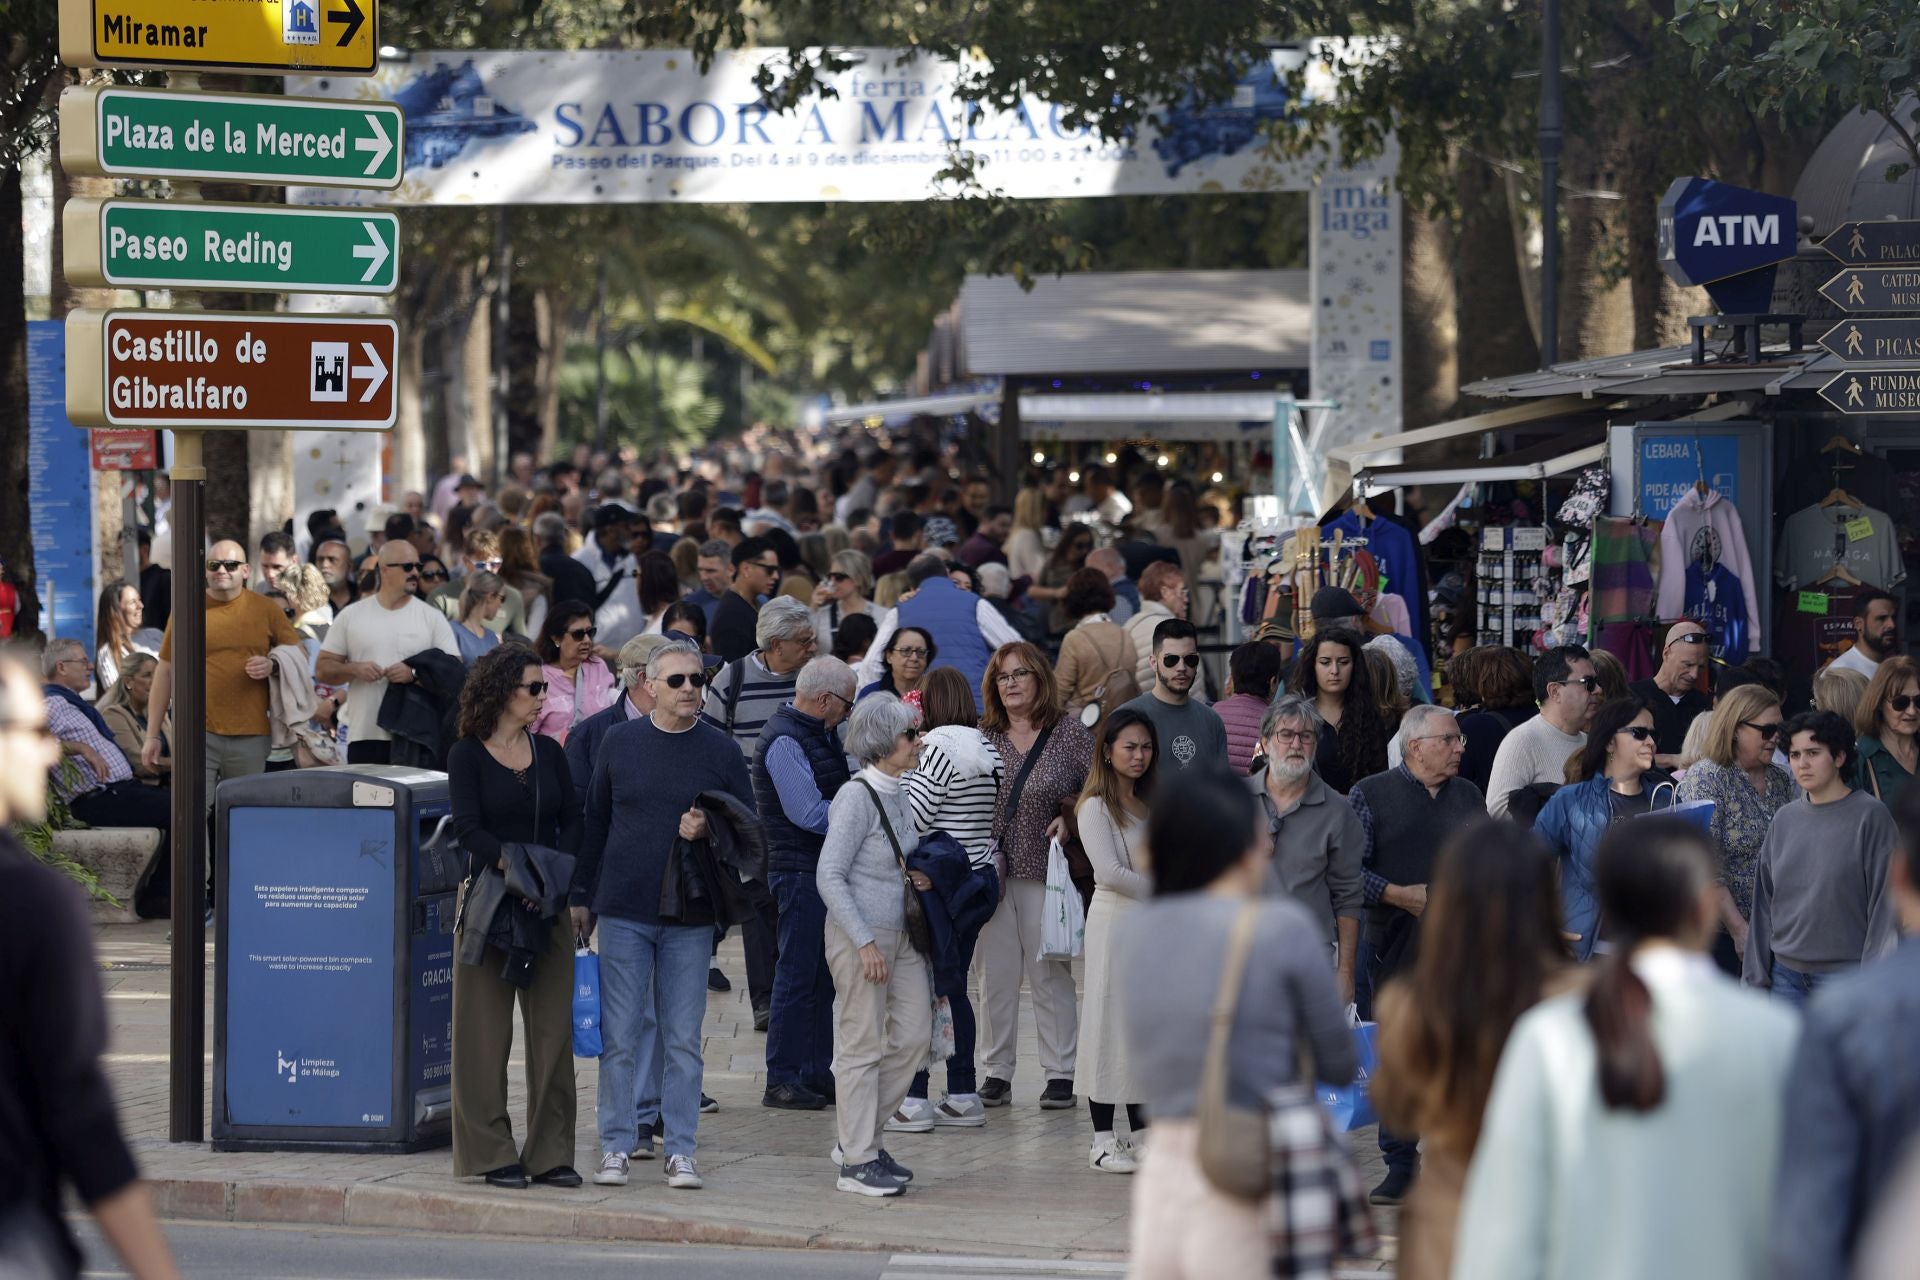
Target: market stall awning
x: 1556, y: 457
x: 1663, y: 371
x: 1174, y: 415
x: 1345, y: 461
x: 943, y: 405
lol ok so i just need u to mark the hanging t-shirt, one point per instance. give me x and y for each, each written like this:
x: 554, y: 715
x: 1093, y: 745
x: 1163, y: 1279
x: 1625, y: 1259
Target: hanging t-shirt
x: 1715, y: 598
x: 1861, y: 540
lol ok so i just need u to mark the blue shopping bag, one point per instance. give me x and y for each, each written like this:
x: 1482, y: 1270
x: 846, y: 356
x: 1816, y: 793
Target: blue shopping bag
x: 1351, y: 1106
x: 1698, y: 812
x: 586, y: 1003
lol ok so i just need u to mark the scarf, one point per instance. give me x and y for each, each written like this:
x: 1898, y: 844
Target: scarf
x: 85, y: 707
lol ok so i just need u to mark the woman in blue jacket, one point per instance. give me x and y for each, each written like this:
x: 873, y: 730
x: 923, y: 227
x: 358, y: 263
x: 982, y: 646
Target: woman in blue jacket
x: 1618, y: 780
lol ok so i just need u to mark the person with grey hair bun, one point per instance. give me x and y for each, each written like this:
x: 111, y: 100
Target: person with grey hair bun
x: 886, y: 1002
x: 1316, y: 839
x: 844, y: 594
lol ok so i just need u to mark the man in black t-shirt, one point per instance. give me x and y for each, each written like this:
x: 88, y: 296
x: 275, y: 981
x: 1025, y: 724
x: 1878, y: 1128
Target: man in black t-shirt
x: 1673, y: 694
x: 756, y: 572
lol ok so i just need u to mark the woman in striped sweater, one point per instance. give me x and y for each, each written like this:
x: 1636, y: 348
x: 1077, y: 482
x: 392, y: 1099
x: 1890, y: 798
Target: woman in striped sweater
x: 952, y: 790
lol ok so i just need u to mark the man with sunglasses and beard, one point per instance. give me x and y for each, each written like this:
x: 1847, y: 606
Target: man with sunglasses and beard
x: 646, y: 779
x: 369, y: 642
x: 1192, y: 735
x: 1537, y: 751
x: 1673, y: 693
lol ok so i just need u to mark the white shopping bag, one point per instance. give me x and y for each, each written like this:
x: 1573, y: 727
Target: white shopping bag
x: 1063, y: 929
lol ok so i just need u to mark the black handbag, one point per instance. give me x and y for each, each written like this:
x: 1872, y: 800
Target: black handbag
x: 918, y: 932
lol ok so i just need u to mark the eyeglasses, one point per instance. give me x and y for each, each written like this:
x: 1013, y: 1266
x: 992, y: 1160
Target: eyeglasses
x: 1013, y: 677
x: 583, y: 633
x: 1290, y: 737
x: 1589, y: 683
x: 1902, y: 702
x: 225, y: 566
x: 913, y: 653
x: 843, y: 697
x: 1767, y: 732
x: 534, y: 687
x: 698, y: 679
x: 1638, y: 732
x: 1692, y: 637
x: 404, y: 566
x: 435, y: 575
x: 1173, y: 660
x: 1451, y: 739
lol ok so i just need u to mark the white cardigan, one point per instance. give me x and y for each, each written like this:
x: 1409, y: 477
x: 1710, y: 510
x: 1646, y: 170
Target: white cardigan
x: 1563, y: 1189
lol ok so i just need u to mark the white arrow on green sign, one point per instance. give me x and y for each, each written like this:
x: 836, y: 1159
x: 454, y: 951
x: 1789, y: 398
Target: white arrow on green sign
x: 185, y: 245
x: 231, y: 137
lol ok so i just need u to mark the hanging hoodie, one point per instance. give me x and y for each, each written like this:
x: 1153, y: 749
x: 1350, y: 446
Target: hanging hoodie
x: 1704, y: 565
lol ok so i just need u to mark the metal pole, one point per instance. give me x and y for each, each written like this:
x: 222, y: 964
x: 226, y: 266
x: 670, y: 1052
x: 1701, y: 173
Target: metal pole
x: 1551, y: 120
x: 503, y: 282
x: 187, y: 1007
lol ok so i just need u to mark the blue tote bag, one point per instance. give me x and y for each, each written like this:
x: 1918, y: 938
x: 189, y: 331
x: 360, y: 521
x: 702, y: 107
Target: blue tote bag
x: 1350, y: 1106
x: 586, y: 1003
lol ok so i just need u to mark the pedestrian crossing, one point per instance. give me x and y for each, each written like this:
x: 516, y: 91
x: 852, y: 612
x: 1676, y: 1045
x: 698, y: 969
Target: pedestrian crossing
x: 940, y: 1266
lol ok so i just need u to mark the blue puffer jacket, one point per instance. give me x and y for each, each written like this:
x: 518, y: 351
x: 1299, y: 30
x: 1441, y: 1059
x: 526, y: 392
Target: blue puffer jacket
x: 1575, y: 818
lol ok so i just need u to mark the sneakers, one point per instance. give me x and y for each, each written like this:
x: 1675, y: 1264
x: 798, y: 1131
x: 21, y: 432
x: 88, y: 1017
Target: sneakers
x: 914, y: 1115
x: 762, y: 1019
x: 1057, y: 1096
x: 612, y: 1171
x: 995, y: 1092
x: 960, y: 1111
x: 1392, y: 1188
x: 643, y: 1146
x: 1111, y: 1155
x: 894, y: 1167
x: 683, y: 1174
x: 717, y: 981
x: 707, y: 1106
x: 792, y: 1097
x: 870, y: 1179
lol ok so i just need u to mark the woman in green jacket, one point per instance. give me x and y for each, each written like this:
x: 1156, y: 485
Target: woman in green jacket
x: 1887, y: 720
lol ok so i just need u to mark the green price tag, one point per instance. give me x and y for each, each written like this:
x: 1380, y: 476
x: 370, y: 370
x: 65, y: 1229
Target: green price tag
x: 1859, y: 530
x: 1813, y: 602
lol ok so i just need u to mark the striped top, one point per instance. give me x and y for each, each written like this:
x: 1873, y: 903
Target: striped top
x: 954, y: 787
x: 761, y: 694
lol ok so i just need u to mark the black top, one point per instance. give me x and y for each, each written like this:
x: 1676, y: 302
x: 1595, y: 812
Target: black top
x: 733, y: 632
x: 57, y: 1123
x: 492, y: 807
x: 571, y: 579
x: 1671, y: 719
x: 1485, y: 731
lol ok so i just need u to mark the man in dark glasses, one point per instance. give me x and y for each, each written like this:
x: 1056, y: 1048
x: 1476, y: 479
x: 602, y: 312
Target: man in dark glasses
x: 1565, y: 686
x: 1674, y: 691
x: 368, y: 646
x: 1191, y: 734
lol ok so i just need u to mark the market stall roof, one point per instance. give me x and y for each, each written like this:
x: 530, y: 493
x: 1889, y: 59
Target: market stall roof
x: 1174, y: 415
x: 1663, y: 371
x: 1345, y: 462
x: 1566, y: 452
x: 1133, y: 322
x: 945, y: 404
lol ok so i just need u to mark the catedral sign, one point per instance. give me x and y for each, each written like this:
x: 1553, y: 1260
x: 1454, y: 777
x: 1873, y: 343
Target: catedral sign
x: 209, y: 371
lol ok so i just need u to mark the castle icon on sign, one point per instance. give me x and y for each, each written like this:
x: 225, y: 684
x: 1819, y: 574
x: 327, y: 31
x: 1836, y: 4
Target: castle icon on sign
x: 299, y: 22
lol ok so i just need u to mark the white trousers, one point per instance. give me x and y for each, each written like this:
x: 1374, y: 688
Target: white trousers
x: 1007, y: 949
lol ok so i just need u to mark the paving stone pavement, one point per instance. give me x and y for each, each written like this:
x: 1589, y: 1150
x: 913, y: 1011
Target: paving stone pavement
x: 1018, y: 1186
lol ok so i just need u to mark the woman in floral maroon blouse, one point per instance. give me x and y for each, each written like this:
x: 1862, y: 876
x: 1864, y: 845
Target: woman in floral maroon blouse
x: 1024, y: 718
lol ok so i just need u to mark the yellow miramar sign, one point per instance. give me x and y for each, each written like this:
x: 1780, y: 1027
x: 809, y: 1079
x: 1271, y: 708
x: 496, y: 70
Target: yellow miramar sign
x: 340, y: 37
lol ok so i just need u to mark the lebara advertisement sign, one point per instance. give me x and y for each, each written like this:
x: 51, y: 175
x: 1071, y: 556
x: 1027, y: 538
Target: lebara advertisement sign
x: 637, y: 126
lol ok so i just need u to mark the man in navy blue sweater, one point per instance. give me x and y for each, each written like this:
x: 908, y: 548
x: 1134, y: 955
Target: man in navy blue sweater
x: 648, y: 774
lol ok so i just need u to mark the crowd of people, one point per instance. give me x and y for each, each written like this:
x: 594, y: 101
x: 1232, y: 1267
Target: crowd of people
x: 1632, y: 949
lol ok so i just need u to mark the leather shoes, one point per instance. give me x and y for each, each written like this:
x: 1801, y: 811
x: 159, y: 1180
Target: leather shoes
x: 761, y: 1019
x: 561, y: 1175
x: 717, y: 981
x: 826, y: 1090
x: 1392, y: 1188
x: 793, y: 1097
x: 512, y: 1176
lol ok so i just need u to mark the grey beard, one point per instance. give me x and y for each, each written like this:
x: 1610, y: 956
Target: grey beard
x: 1288, y: 772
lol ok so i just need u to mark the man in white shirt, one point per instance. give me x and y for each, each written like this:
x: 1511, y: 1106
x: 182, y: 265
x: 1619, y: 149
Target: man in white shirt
x: 1876, y: 632
x: 1568, y: 692
x: 369, y: 642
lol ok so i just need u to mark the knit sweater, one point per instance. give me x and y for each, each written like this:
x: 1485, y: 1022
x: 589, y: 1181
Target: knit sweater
x: 860, y: 878
x: 1242, y: 714
x: 761, y: 693
x: 1534, y: 752
x: 1820, y: 898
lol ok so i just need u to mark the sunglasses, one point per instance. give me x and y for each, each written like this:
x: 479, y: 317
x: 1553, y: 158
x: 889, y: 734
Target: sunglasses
x: 404, y: 566
x: 911, y: 735
x: 1692, y: 637
x: 763, y: 566
x: 534, y: 687
x: 1638, y: 732
x: 435, y: 575
x: 839, y: 577
x: 697, y: 678
x: 491, y: 566
x: 225, y: 566
x: 1767, y: 732
x: 1902, y: 702
x: 1173, y: 660
x: 583, y: 633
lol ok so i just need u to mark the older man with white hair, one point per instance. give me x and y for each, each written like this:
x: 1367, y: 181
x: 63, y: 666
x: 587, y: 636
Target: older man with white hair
x: 1317, y: 840
x: 797, y: 770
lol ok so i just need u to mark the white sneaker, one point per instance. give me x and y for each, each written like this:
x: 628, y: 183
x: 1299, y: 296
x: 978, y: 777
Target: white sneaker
x: 913, y: 1115
x: 683, y: 1174
x: 613, y: 1171
x: 960, y: 1111
x: 1109, y: 1155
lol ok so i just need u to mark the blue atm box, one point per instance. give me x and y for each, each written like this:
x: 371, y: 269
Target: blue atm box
x: 333, y: 980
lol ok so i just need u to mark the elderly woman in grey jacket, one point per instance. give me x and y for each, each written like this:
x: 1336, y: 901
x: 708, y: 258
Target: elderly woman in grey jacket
x: 884, y: 987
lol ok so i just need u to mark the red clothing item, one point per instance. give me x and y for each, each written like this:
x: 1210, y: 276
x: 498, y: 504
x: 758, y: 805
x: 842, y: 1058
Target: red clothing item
x: 1242, y: 714
x: 9, y: 608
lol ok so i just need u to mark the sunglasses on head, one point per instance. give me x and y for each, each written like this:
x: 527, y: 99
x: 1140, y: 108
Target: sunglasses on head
x: 583, y: 633
x: 1172, y: 660
x: 225, y: 566
x: 1902, y: 702
x: 1638, y: 732
x: 535, y: 687
x: 404, y: 566
x: 698, y: 679
x: 1692, y: 637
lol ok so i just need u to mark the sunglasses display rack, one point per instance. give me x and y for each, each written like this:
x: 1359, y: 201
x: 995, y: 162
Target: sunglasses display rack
x: 1512, y: 583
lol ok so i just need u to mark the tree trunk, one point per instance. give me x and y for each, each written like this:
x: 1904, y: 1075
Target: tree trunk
x: 553, y: 352
x: 1596, y: 298
x: 1430, y: 342
x: 474, y: 375
x: 409, y: 433
x: 1494, y: 338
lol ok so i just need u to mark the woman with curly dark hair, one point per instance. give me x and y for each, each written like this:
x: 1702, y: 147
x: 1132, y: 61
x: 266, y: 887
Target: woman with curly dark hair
x: 508, y: 784
x: 1332, y: 670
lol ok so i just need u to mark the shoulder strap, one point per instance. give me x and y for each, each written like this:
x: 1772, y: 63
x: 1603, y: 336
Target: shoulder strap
x: 1020, y: 780
x: 738, y: 670
x: 533, y: 767
x: 1233, y: 969
x: 886, y: 823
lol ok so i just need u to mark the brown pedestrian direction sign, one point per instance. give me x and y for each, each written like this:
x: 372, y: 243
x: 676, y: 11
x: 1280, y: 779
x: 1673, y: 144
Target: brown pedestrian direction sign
x: 233, y: 370
x: 1874, y: 341
x: 1865, y: 244
x: 1874, y: 391
x: 1874, y: 289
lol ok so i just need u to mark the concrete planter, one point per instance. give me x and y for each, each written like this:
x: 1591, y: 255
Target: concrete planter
x: 123, y: 857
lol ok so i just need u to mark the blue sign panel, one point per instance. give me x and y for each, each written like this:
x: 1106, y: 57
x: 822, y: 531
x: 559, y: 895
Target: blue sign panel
x: 1709, y: 230
x: 60, y: 491
x: 430, y: 1013
x: 1669, y: 466
x: 310, y: 954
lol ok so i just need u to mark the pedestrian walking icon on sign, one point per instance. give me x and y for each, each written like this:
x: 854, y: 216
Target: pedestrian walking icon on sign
x: 329, y: 372
x: 1856, y: 291
x: 1853, y: 339
x: 1857, y: 244
x: 1853, y: 392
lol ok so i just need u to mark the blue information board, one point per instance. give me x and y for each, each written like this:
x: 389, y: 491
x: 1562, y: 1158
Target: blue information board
x: 60, y: 490
x: 310, y: 959
x: 1670, y: 464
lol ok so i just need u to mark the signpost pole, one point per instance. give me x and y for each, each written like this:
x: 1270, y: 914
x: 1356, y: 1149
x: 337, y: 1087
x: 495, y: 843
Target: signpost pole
x: 187, y: 1008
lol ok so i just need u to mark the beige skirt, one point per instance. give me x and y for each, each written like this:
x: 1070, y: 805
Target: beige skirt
x: 1104, y: 1070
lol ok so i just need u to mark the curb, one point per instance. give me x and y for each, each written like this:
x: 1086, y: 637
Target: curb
x: 398, y: 1208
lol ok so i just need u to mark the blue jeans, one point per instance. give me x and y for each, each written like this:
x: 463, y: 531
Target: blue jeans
x: 1793, y: 986
x: 800, y: 1030
x: 665, y: 964
x: 961, y: 1075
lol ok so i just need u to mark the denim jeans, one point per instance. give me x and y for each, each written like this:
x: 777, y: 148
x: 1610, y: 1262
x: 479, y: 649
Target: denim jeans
x: 800, y: 1032
x: 1402, y: 1150
x: 670, y: 961
x: 1793, y: 986
x: 961, y: 1075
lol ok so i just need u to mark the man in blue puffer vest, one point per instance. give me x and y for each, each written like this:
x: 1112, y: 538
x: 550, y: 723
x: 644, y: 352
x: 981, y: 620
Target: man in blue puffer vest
x: 798, y: 767
x: 966, y: 629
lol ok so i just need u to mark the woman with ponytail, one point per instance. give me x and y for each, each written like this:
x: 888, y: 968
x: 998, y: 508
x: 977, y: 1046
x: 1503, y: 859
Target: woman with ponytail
x: 1634, y: 1129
